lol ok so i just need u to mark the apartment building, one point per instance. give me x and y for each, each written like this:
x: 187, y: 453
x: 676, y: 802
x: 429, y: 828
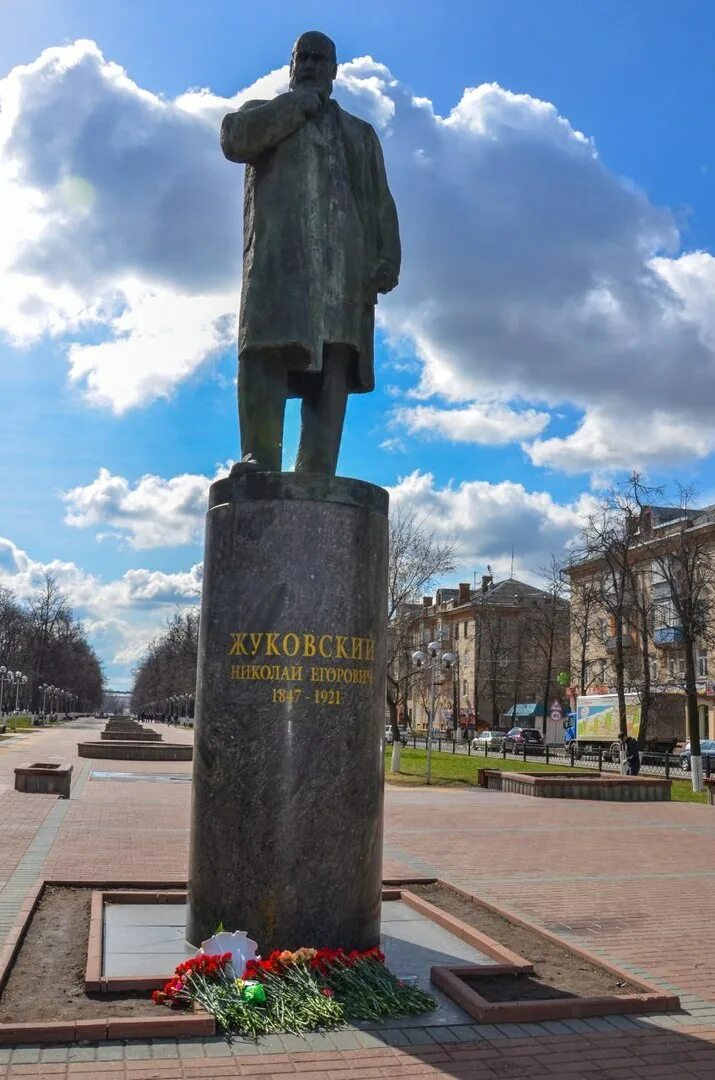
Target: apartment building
x: 652, y: 631
x: 510, y: 640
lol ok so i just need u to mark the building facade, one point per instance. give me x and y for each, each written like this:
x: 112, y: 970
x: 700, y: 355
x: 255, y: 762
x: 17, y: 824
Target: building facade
x: 653, y: 648
x: 511, y: 642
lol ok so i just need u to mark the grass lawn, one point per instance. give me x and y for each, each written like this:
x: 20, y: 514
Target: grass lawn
x: 460, y: 770
x: 17, y: 723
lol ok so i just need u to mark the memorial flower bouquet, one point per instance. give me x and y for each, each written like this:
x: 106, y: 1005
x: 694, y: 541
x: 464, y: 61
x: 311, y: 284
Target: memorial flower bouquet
x: 296, y: 992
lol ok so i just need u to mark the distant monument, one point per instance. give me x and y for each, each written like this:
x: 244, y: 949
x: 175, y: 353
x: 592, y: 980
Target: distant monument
x: 320, y: 242
x: 286, y: 827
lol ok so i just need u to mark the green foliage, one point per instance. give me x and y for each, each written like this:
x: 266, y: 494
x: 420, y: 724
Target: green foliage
x: 15, y: 723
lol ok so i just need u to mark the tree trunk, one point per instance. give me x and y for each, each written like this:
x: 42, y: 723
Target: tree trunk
x: 646, y: 698
x: 584, y: 642
x: 621, y: 692
x: 477, y: 661
x: 494, y: 690
x: 396, y: 739
x: 456, y: 704
x: 547, y: 683
x: 691, y: 697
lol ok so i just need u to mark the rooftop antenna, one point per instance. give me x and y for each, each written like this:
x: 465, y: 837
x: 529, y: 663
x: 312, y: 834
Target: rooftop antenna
x: 511, y: 574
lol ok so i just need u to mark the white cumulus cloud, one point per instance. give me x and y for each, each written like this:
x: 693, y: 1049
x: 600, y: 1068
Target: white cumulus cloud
x: 484, y: 521
x: 487, y: 423
x: 121, y: 615
x: 532, y: 273
x: 154, y: 512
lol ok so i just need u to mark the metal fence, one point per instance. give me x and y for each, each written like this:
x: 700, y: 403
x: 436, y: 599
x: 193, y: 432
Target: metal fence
x: 652, y: 764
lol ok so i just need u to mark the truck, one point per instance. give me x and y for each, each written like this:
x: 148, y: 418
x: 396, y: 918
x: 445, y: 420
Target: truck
x: 596, y: 724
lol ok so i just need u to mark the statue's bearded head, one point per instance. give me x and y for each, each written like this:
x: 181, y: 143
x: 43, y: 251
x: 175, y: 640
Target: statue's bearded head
x: 313, y: 64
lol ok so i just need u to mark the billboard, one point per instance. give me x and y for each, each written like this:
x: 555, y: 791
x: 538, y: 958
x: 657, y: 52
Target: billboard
x: 597, y: 717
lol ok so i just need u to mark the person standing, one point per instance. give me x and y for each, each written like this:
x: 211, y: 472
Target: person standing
x: 633, y: 757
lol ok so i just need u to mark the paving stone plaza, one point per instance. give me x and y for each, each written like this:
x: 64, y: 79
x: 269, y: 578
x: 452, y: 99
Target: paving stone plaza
x: 633, y: 883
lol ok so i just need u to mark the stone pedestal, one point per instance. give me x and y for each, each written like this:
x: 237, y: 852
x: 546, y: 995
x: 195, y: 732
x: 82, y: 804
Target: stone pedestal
x: 286, y: 827
x: 44, y: 778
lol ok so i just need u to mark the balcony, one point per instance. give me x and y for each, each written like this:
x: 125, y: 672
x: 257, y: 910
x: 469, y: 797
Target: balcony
x: 668, y: 637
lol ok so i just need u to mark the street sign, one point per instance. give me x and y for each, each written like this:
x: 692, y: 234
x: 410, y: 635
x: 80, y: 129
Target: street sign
x: 556, y: 712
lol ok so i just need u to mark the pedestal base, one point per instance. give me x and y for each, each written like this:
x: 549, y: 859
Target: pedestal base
x: 286, y: 834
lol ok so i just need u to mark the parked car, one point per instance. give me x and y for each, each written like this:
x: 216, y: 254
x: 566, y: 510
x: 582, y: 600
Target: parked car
x: 516, y: 737
x: 707, y: 749
x: 488, y: 740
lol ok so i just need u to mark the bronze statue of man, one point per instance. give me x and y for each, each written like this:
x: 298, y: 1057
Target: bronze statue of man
x: 320, y: 241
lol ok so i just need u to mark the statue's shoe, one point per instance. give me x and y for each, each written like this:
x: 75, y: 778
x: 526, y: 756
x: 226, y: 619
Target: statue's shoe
x: 245, y: 468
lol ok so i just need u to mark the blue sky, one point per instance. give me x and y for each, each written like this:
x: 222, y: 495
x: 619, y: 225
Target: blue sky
x: 554, y: 326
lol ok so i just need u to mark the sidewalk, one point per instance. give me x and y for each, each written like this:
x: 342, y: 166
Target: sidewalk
x: 633, y: 881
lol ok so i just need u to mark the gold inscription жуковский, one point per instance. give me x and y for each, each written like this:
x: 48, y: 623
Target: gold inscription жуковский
x: 306, y: 646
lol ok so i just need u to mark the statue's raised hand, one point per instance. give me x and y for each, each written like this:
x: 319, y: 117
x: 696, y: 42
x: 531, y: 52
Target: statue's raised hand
x: 310, y: 100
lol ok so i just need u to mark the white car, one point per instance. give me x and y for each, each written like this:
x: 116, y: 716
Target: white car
x: 488, y: 740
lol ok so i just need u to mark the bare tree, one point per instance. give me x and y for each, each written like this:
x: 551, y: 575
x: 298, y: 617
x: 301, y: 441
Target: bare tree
x: 639, y: 670
x: 168, y: 666
x: 684, y: 568
x: 497, y: 651
x: 608, y: 542
x: 45, y: 641
x: 417, y: 561
x: 585, y: 606
x: 548, y: 629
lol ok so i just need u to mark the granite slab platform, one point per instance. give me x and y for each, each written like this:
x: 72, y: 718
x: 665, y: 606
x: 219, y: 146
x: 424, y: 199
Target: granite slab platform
x: 148, y: 939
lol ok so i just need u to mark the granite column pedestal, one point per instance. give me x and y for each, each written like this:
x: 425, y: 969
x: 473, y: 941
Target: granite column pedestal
x: 286, y: 826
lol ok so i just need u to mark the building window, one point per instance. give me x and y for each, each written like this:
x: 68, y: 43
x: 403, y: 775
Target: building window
x: 665, y: 616
x: 595, y: 673
x: 466, y: 624
x: 703, y: 721
x: 465, y: 689
x: 676, y: 666
x: 456, y: 631
x: 701, y: 662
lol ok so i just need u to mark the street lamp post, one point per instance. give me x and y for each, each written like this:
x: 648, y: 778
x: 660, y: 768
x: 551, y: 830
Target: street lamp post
x: 435, y: 665
x: 3, y: 675
x: 18, y: 680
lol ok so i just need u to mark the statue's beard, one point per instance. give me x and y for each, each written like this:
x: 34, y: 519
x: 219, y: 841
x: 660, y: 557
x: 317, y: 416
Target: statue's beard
x: 307, y: 82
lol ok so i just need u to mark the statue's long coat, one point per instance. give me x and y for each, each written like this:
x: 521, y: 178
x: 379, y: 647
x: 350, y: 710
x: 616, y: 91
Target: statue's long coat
x: 318, y: 216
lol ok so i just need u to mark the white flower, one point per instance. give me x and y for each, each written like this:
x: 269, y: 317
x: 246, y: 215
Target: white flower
x: 241, y: 947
